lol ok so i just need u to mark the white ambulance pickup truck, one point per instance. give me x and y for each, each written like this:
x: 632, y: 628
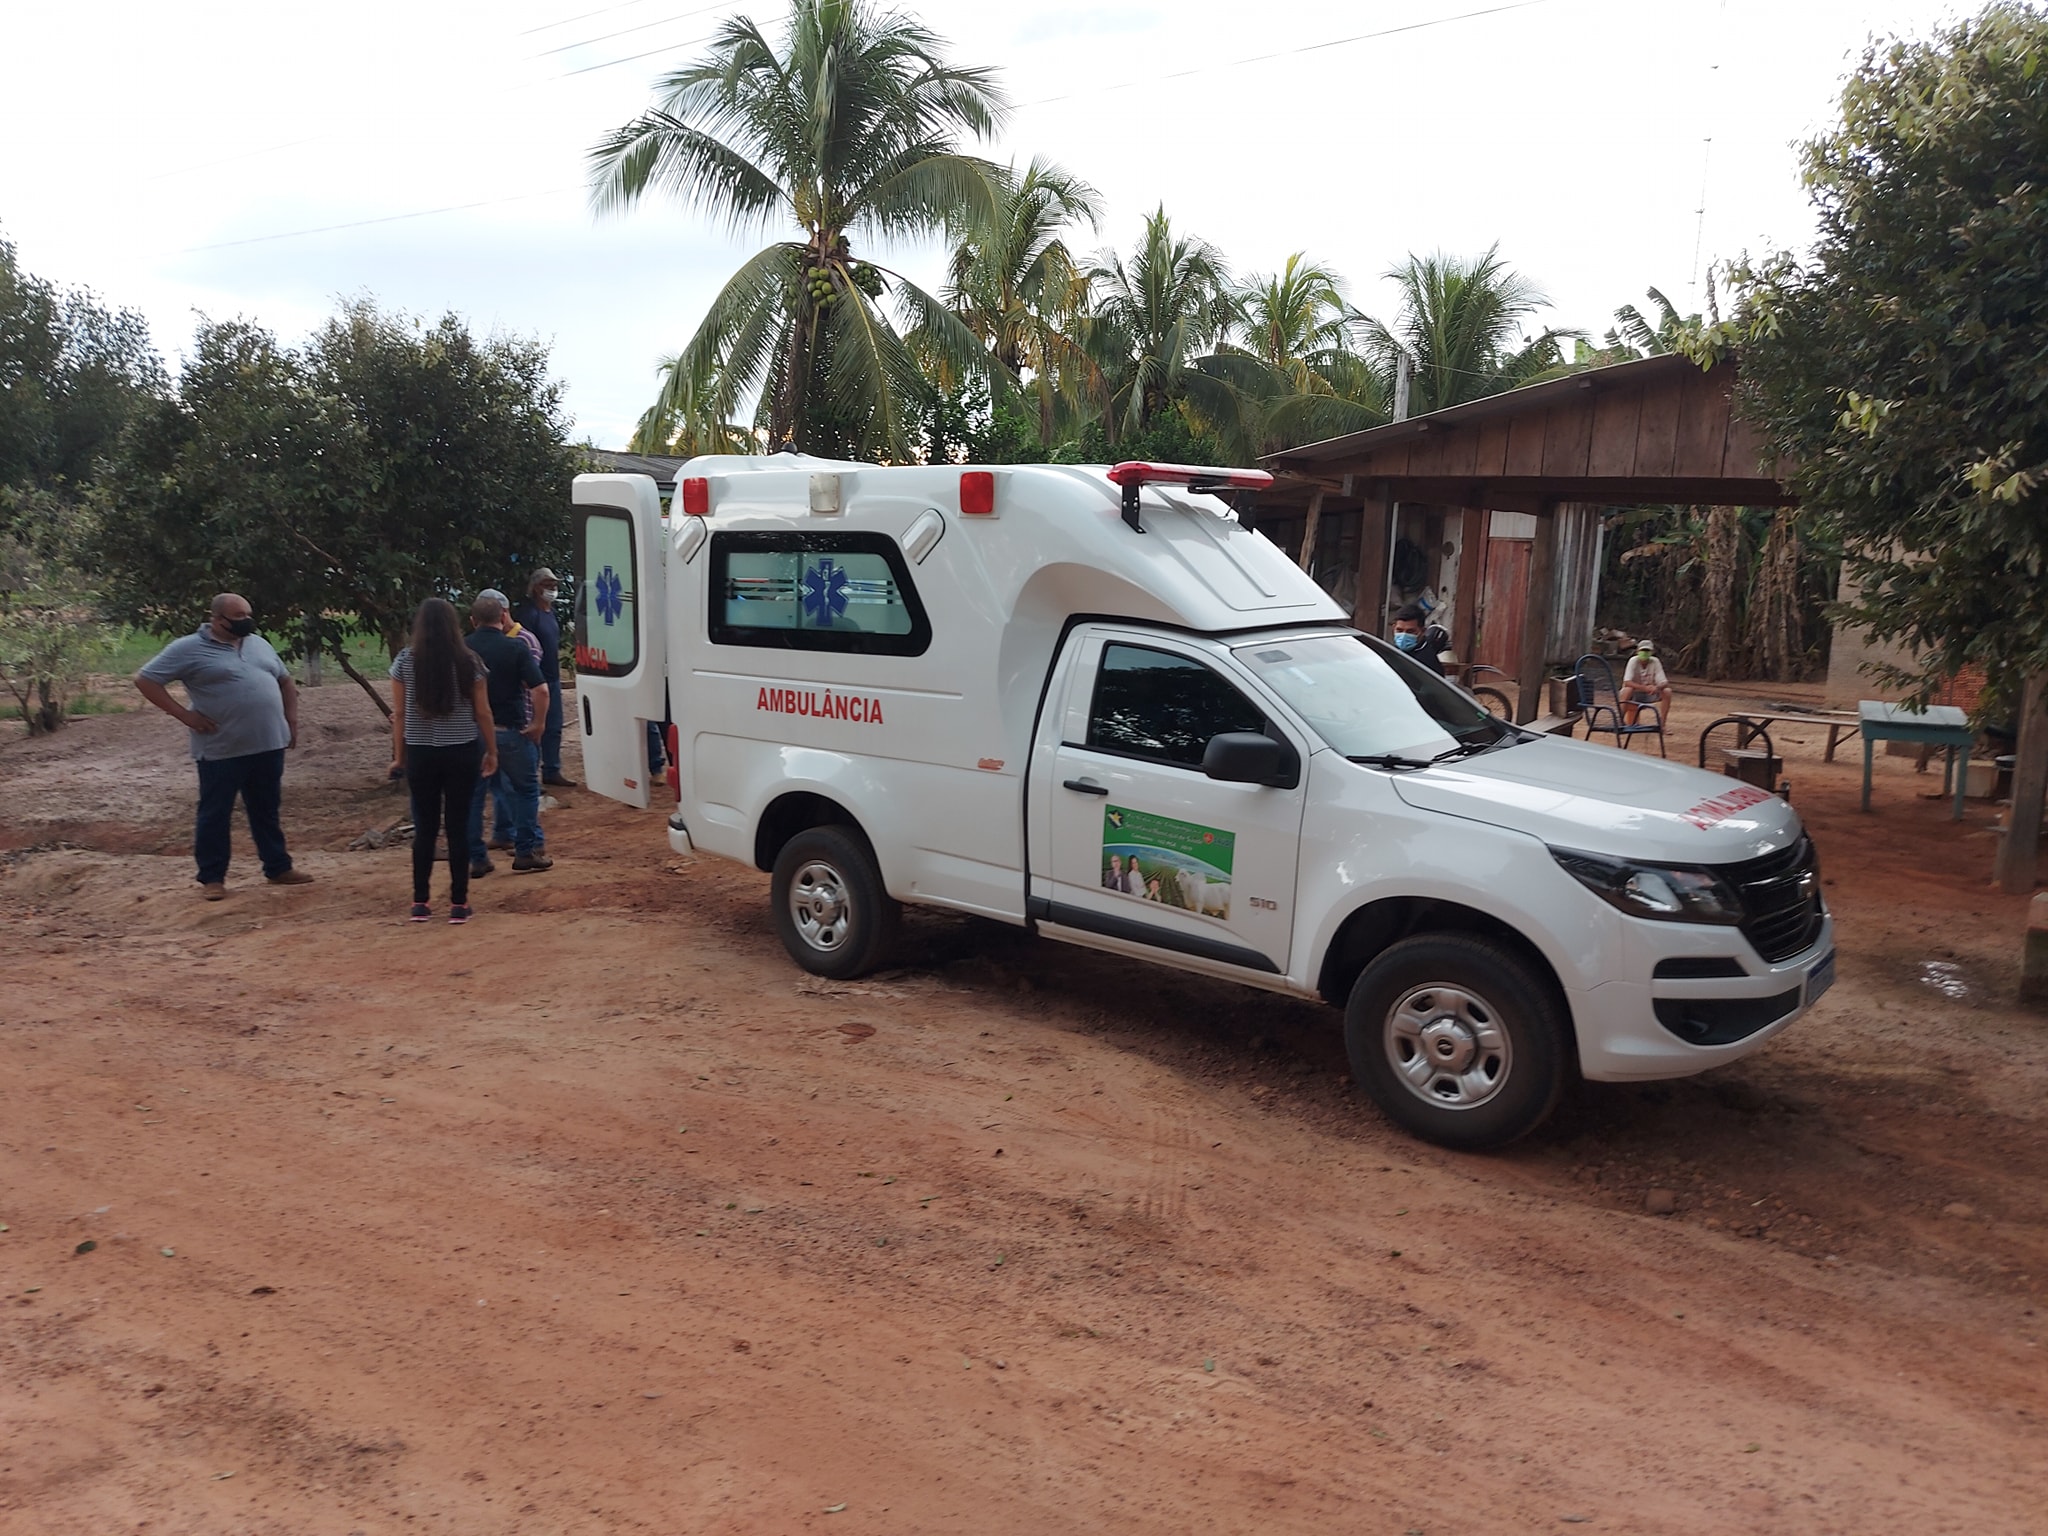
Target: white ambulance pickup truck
x: 1095, y: 703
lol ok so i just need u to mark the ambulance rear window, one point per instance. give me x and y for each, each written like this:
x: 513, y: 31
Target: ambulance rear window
x: 815, y: 592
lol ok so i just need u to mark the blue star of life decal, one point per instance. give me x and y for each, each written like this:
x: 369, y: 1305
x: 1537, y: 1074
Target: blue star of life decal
x: 824, y: 588
x: 611, y: 593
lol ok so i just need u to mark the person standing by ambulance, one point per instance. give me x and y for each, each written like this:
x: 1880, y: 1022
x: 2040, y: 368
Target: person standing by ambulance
x: 537, y: 614
x: 244, y: 717
x: 519, y: 700
x: 443, y: 740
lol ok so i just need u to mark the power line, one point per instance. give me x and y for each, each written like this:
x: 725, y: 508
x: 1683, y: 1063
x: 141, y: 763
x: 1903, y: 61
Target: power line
x: 569, y: 74
x: 389, y: 218
x: 1286, y: 53
x: 645, y: 26
x: 602, y: 10
x: 1338, y: 42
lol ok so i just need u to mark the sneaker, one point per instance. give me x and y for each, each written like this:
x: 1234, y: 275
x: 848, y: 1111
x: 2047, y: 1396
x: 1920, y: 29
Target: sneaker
x: 458, y: 915
x: 421, y: 913
x: 481, y: 868
x: 214, y: 890
x: 531, y: 863
x: 290, y: 877
x: 558, y: 781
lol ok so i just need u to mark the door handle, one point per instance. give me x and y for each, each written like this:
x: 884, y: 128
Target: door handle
x: 1086, y: 786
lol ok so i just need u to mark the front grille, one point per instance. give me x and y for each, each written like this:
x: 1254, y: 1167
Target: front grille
x: 1781, y: 905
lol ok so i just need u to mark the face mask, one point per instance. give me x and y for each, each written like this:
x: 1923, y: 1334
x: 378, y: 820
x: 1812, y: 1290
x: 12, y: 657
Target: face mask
x: 546, y: 595
x: 242, y: 627
x: 1408, y: 641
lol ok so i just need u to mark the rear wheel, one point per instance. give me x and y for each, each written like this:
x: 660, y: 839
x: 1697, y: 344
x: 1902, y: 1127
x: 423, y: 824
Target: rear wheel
x: 1457, y: 1040
x: 834, y: 915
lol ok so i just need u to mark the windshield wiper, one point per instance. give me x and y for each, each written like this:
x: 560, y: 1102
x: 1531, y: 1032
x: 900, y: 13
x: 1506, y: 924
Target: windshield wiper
x: 1396, y: 760
x: 1391, y: 760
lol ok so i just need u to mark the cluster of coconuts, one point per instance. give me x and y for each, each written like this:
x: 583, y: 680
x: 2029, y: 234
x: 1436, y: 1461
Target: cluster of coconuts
x: 820, y: 281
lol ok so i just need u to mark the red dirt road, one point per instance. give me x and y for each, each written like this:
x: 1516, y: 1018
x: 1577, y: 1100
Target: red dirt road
x: 597, y: 1215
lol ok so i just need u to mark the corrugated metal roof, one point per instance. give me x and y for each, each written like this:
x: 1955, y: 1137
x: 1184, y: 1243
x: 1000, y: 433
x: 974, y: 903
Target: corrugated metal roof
x: 614, y: 461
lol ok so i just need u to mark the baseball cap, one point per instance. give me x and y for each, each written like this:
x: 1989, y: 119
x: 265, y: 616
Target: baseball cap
x: 1645, y: 647
x: 500, y: 598
x: 542, y: 577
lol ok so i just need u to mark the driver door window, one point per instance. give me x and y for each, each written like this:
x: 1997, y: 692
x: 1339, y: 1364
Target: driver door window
x: 1163, y: 708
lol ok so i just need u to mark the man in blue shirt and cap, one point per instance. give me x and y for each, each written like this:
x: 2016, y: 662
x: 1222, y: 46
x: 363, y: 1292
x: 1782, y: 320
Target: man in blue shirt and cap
x: 244, y: 714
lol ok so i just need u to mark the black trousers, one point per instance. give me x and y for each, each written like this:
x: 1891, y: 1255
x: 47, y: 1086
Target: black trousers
x: 443, y: 781
x: 258, y: 777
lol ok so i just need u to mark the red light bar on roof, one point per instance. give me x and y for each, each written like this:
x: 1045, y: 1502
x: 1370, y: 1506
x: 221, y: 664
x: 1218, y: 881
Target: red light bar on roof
x: 1134, y: 474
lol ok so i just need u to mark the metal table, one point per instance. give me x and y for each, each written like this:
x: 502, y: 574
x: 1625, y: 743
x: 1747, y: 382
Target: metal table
x: 1939, y: 725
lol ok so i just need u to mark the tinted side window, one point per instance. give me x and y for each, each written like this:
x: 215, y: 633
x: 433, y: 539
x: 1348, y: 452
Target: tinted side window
x: 607, y: 599
x: 815, y: 592
x: 1157, y: 705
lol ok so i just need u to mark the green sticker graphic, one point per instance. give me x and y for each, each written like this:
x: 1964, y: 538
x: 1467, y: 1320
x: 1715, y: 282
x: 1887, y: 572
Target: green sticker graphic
x: 1172, y: 863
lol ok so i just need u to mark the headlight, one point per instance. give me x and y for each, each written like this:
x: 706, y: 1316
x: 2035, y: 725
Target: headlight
x: 1676, y: 895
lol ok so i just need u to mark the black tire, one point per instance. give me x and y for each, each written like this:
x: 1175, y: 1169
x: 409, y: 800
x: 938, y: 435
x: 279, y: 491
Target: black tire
x: 1495, y: 703
x: 1471, y: 1020
x: 834, y: 915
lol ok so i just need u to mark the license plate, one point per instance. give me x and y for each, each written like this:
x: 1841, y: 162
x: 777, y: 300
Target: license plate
x: 1819, y: 979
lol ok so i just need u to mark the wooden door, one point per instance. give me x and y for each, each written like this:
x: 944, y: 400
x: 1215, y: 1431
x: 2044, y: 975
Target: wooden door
x: 1503, y: 603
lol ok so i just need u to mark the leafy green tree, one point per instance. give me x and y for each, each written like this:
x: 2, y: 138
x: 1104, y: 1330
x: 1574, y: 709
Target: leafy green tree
x: 850, y: 125
x: 72, y: 372
x: 1153, y: 316
x: 1900, y: 367
x: 1461, y: 322
x: 338, y: 485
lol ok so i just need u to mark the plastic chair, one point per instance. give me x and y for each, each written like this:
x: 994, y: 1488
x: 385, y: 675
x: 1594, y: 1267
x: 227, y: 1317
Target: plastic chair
x: 1600, y: 703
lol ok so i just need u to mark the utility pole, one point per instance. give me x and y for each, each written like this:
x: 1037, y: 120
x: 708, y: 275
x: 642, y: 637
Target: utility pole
x: 1404, y: 378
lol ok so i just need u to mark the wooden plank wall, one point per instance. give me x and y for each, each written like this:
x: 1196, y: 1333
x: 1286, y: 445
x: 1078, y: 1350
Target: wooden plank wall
x: 1680, y: 425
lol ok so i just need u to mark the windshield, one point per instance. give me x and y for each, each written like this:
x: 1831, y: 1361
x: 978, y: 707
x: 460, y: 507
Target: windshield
x: 1368, y: 700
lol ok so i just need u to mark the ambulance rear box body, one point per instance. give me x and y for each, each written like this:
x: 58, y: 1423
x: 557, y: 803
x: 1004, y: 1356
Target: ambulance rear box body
x: 1116, y: 715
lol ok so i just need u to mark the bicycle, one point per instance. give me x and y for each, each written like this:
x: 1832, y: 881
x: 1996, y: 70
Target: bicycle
x: 1492, y: 700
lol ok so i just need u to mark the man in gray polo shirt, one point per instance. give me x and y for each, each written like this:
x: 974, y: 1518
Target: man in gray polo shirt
x: 244, y: 714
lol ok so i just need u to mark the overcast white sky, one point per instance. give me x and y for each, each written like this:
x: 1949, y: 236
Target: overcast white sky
x: 175, y: 156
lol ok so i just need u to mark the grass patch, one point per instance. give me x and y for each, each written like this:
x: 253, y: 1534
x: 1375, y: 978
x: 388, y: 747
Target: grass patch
x: 101, y: 704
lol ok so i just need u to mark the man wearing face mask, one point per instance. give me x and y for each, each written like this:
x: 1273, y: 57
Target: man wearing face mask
x: 1419, y: 639
x: 243, y: 716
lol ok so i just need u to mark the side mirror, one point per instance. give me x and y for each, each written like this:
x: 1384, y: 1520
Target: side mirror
x: 1250, y: 757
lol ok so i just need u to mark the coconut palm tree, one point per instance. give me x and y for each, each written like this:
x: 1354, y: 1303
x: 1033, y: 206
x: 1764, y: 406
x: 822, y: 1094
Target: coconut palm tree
x: 1461, y: 323
x: 682, y: 421
x: 1015, y: 284
x: 1288, y: 373
x: 1154, y: 315
x: 850, y: 125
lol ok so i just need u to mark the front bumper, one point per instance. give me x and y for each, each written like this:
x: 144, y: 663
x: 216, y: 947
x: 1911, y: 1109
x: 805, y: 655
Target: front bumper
x: 1621, y: 1037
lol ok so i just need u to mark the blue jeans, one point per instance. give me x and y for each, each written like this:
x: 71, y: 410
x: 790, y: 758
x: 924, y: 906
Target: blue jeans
x: 258, y: 778
x: 515, y: 787
x: 551, y: 733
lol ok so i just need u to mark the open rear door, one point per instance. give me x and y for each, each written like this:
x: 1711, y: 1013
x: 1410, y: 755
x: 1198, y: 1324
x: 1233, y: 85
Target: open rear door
x: 621, y: 644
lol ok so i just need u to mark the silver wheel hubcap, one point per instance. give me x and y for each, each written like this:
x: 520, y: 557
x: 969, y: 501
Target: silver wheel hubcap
x: 817, y: 900
x: 1447, y: 1046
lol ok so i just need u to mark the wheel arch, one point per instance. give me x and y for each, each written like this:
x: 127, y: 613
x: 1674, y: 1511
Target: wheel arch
x: 795, y: 811
x: 1369, y: 931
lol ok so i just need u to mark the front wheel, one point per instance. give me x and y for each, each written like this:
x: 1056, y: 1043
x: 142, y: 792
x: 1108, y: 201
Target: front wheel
x: 1457, y: 1040
x: 833, y: 913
